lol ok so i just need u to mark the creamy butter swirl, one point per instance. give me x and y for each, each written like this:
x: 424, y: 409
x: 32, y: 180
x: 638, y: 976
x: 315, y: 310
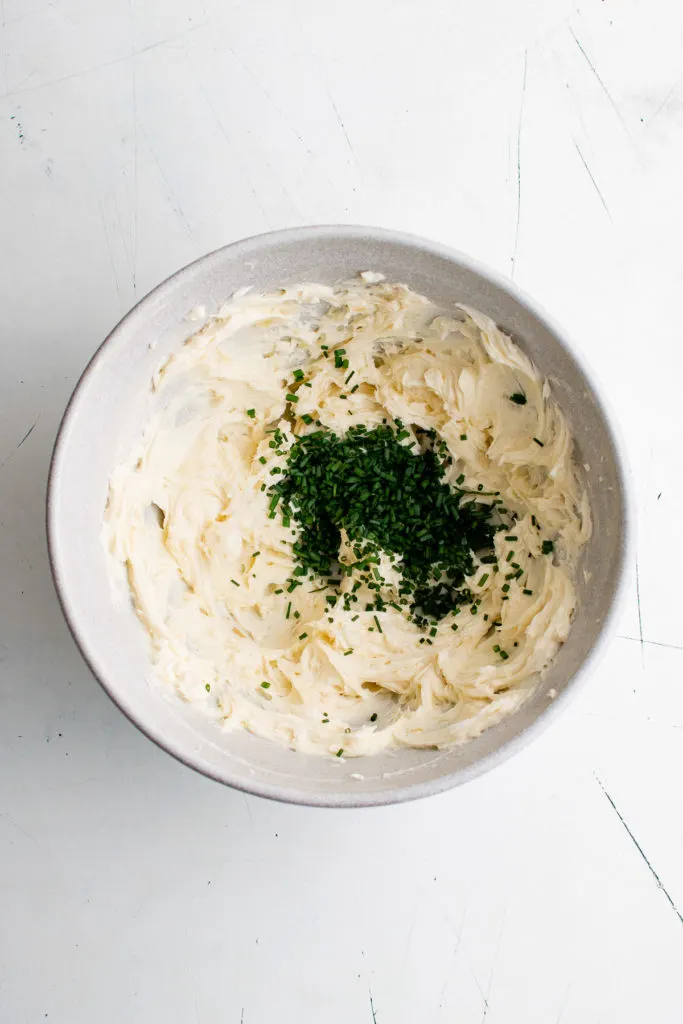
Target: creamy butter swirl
x: 187, y: 518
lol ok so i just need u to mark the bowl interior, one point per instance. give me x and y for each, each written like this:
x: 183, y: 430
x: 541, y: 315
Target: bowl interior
x: 106, y: 415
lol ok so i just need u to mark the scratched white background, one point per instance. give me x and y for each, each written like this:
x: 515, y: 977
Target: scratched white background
x: 545, y: 139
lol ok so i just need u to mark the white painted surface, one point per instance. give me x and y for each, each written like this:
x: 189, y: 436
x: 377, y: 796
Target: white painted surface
x: 543, y: 138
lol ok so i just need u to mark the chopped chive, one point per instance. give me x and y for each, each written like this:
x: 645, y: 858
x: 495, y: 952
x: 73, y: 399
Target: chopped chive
x: 358, y: 483
x: 463, y: 437
x: 512, y: 536
x: 504, y: 655
x: 339, y: 752
x: 527, y: 592
x: 207, y: 687
x: 291, y: 398
x: 483, y: 580
x: 302, y: 636
x: 354, y: 389
x: 234, y: 583
x: 460, y: 479
x: 289, y: 608
x: 518, y: 398
x: 350, y: 651
x: 373, y: 716
x: 266, y: 686
x: 346, y: 381
x: 510, y: 556
x: 251, y: 413
x: 298, y: 375
x: 496, y: 648
x: 432, y: 631
x: 547, y: 547
x: 539, y: 443
x: 505, y: 588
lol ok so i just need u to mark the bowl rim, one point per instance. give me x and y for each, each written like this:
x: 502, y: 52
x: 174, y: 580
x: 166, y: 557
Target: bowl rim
x: 408, y: 791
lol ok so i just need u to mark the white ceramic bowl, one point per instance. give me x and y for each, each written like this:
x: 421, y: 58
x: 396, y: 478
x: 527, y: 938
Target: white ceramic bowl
x: 107, y: 411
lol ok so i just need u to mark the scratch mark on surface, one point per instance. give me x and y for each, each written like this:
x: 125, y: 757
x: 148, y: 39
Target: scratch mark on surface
x: 594, y: 182
x: 18, y: 446
x: 602, y: 85
x: 650, y: 643
x: 269, y: 96
x: 560, y: 1014
x: 135, y: 154
x: 246, y: 804
x: 105, y: 64
x: 519, y: 166
x: 22, y: 831
x: 372, y: 1007
x: 224, y: 133
x: 664, y: 102
x: 453, y: 960
x: 481, y: 992
x: 411, y: 928
x: 111, y: 254
x: 639, y: 849
x: 640, y: 614
x: 173, y: 201
x: 493, y: 968
x: 242, y: 1016
x: 28, y: 432
x: 342, y: 126
x: 125, y: 240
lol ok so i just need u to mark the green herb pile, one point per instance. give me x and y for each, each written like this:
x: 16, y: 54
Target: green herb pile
x: 388, y: 498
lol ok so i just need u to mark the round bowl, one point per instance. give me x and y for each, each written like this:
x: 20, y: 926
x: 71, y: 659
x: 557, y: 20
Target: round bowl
x: 106, y: 413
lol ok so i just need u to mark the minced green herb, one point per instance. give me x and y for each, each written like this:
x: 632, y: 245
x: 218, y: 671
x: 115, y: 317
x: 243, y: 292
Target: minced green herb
x: 518, y: 398
x: 388, y: 499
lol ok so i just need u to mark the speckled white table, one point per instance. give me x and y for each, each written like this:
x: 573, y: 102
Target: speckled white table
x: 545, y: 139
